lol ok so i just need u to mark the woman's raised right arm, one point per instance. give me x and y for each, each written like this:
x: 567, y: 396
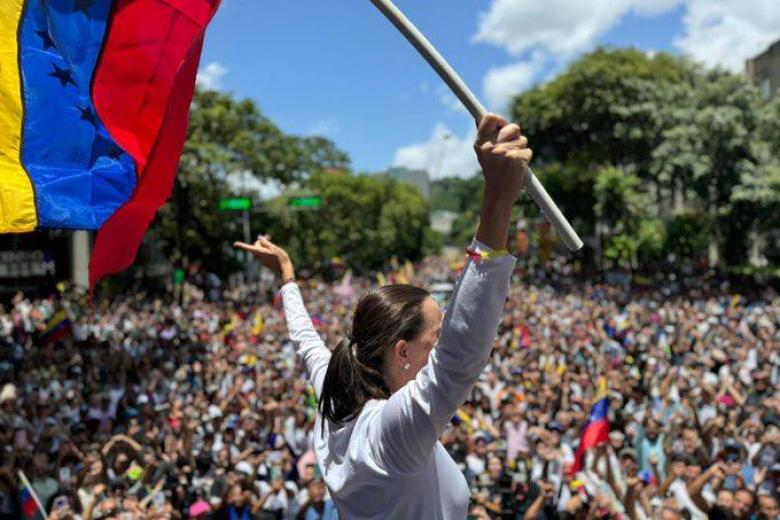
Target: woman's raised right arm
x: 415, y: 415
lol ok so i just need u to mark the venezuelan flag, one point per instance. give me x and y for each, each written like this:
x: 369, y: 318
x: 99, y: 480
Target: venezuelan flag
x: 596, y: 430
x: 57, y: 328
x: 94, y: 99
x: 31, y: 506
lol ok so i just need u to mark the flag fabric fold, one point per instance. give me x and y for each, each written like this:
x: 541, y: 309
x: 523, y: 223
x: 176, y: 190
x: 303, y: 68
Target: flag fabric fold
x: 94, y: 101
x: 596, y: 430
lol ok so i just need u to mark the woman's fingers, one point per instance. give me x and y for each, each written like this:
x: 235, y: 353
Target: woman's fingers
x: 488, y: 128
x: 508, y: 133
x: 520, y: 143
x: 251, y: 248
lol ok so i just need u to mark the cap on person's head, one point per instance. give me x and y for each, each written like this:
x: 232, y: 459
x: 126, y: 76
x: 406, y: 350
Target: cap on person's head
x: 214, y: 412
x: 731, y: 445
x: 481, y: 436
x: 244, y: 467
x: 555, y: 426
x: 135, y: 473
x: 8, y: 393
x: 142, y: 399
x: 719, y: 356
x: 629, y: 452
x: 617, y: 435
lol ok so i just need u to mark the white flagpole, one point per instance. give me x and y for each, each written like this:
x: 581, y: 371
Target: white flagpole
x: 472, y: 104
x: 29, y: 487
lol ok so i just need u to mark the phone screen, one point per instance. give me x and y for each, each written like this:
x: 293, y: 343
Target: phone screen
x: 60, y: 502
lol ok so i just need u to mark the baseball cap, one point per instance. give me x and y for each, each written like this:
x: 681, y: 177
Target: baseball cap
x: 628, y: 452
x: 8, y: 393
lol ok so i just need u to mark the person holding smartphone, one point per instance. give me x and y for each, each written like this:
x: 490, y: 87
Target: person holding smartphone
x: 389, y: 389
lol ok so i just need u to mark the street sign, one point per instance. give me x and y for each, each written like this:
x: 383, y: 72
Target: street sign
x: 235, y: 204
x: 305, y: 202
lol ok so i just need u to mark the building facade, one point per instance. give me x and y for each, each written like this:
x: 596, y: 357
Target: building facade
x: 417, y: 178
x: 764, y: 70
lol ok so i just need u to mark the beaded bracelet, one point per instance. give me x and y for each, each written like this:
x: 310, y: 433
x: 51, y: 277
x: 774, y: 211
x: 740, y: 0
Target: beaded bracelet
x: 484, y: 256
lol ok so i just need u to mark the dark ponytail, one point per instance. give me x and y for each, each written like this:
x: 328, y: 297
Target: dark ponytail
x: 355, y: 372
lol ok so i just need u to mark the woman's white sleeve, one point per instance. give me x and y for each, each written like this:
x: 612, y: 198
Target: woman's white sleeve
x: 309, y: 345
x: 414, y: 417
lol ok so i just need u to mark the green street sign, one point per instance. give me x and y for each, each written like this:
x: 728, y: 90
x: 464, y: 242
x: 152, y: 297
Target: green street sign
x: 235, y: 204
x: 178, y: 275
x: 305, y: 202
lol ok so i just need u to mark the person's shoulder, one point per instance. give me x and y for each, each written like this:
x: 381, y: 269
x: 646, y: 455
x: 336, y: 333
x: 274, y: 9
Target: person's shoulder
x: 370, y: 415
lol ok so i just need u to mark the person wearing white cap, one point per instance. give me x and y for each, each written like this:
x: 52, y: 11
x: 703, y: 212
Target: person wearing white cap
x: 8, y: 393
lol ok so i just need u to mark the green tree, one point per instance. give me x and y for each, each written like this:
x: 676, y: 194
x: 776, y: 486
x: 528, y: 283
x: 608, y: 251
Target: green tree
x: 364, y: 220
x: 692, y: 141
x: 622, y: 207
x: 758, y: 192
x: 230, y: 146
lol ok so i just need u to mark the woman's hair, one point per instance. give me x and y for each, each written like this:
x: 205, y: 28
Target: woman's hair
x: 355, y: 375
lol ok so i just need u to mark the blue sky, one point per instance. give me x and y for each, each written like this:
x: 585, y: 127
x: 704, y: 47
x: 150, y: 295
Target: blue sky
x: 338, y: 68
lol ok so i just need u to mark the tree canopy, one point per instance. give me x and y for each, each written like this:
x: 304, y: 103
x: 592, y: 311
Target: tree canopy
x: 233, y: 148
x: 620, y: 130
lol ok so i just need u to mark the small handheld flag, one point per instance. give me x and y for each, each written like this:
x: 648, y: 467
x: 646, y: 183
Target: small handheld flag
x: 94, y: 100
x: 596, y: 430
x: 57, y: 327
x: 32, y: 509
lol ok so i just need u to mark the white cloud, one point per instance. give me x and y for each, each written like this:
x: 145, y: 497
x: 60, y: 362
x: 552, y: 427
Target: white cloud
x: 725, y: 33
x: 443, y: 155
x: 501, y: 83
x: 210, y: 76
x: 326, y: 127
x: 448, y: 100
x: 560, y: 27
x: 716, y: 32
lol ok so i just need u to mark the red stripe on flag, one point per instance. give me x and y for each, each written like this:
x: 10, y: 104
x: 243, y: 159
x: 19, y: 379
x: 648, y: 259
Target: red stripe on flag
x: 29, y: 507
x: 142, y: 90
x: 595, y: 433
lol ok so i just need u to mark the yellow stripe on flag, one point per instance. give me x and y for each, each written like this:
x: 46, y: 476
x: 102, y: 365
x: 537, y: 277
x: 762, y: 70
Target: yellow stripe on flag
x: 17, y: 201
x: 602, y: 389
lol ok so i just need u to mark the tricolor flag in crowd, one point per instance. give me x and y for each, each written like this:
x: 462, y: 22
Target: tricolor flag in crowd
x: 596, y: 429
x: 31, y: 506
x: 58, y: 327
x: 94, y: 99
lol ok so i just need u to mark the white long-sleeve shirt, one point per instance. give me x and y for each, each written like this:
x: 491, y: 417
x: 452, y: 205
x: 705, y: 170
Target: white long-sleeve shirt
x: 388, y: 463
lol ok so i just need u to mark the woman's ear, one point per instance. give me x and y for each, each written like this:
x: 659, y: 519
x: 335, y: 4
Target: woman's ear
x: 401, y: 352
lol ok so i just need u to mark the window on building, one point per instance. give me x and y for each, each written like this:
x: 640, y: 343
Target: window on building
x: 766, y: 89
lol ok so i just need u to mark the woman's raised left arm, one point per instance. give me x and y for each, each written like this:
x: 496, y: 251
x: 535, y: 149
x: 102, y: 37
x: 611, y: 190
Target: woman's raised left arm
x: 310, y: 347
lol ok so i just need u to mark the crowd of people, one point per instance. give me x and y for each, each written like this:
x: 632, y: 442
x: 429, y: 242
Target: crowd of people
x: 145, y: 408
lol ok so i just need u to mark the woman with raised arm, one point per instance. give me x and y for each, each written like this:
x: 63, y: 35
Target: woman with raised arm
x: 389, y: 389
